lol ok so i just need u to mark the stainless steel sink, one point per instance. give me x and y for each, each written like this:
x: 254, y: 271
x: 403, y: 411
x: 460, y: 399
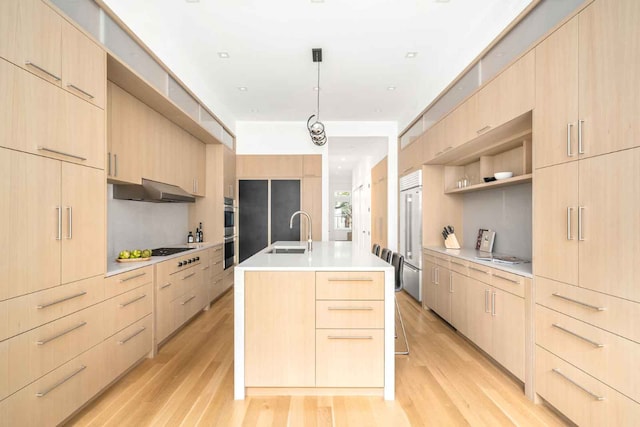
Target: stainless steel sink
x: 287, y: 250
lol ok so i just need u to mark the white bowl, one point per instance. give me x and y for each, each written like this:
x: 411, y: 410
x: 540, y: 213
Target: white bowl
x: 502, y: 175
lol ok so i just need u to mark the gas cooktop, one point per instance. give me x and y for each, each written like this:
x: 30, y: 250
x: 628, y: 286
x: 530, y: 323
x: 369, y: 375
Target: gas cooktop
x: 167, y: 251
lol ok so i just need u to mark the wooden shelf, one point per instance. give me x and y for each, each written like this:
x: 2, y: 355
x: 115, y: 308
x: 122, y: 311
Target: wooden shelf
x: 520, y: 179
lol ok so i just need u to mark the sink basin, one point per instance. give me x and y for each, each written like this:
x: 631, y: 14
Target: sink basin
x: 287, y: 250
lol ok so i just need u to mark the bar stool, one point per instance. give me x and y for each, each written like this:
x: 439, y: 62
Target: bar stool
x: 386, y: 254
x: 397, y: 261
x: 375, y: 249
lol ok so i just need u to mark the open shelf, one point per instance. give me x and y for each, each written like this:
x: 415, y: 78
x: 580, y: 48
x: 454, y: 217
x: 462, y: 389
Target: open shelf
x: 520, y: 179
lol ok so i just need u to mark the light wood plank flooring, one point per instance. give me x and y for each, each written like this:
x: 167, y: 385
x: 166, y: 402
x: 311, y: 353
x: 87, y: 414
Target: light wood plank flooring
x: 445, y: 381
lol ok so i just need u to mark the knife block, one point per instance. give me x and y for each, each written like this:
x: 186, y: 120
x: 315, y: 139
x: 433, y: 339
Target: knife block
x: 451, y: 242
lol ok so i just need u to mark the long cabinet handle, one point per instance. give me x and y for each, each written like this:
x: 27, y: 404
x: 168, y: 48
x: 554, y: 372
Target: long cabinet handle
x: 484, y: 129
x: 135, y: 276
x: 450, y: 282
x: 569, y: 126
x: 188, y: 275
x: 586, y: 390
x: 84, y: 92
x: 584, y: 304
x: 351, y: 279
x: 479, y: 270
x: 60, y: 334
x: 59, y: 209
x: 205, y: 268
x: 458, y: 263
x: 580, y: 147
x: 62, y: 153
x: 70, y: 222
x: 570, y: 332
x: 187, y: 300
x: 517, y: 282
x: 58, y: 301
x: 350, y: 337
x: 569, y: 210
x: 39, y: 68
x: 580, y: 231
x: 166, y: 285
x: 115, y: 165
x: 138, y: 332
x: 493, y: 304
x: 487, y: 292
x: 124, y: 304
x: 62, y: 381
x: 109, y: 163
x: 351, y: 308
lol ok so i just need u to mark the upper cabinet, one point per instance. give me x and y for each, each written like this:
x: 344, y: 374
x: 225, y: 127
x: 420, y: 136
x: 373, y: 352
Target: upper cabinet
x: 126, y: 123
x: 410, y: 157
x: 462, y: 124
x: 312, y: 165
x: 587, y: 85
x: 229, y: 176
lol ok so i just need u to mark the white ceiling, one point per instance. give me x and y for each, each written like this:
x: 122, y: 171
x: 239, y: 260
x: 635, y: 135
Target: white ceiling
x: 364, y: 44
x: 345, y: 153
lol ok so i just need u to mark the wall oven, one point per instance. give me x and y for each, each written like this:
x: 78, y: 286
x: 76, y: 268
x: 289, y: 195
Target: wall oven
x: 229, y: 233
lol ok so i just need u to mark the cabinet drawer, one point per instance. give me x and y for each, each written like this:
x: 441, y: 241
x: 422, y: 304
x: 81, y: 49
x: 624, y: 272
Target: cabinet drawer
x: 128, y: 346
x: 30, y: 311
x: 343, y: 285
x: 34, y: 353
x: 349, y: 314
x: 121, y: 283
x: 57, y: 395
x: 216, y: 266
x: 604, y: 311
x: 189, y: 304
x: 576, y: 394
x: 217, y: 253
x: 215, y: 287
x: 605, y: 356
x: 509, y: 282
x: 340, y: 361
x: 480, y: 272
x: 459, y: 266
x: 441, y: 260
x: 127, y: 308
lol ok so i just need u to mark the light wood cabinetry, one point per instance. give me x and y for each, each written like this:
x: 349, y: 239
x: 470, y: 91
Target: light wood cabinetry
x: 311, y: 202
x: 127, y: 347
x: 124, y: 309
x: 229, y: 174
x: 379, y: 203
x: 345, y: 285
x: 312, y: 165
x: 459, y: 315
x: 480, y: 329
x: 126, y: 119
x: 462, y: 124
x: 429, y: 289
x: 410, y: 158
x: 280, y: 350
x: 269, y: 166
x: 443, y: 290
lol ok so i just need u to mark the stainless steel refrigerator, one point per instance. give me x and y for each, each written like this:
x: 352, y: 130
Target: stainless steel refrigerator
x: 411, y: 232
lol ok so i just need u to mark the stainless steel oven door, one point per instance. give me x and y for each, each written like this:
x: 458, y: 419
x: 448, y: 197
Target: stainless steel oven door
x: 229, y: 251
x: 229, y: 221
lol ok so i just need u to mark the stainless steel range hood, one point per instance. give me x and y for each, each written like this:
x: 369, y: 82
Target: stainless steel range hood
x: 152, y: 191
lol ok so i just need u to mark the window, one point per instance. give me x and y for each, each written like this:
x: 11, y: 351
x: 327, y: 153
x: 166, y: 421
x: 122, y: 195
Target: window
x: 342, y: 210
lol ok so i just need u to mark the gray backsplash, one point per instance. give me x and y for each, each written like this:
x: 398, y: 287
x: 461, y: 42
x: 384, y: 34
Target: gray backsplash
x: 507, y: 211
x: 140, y: 225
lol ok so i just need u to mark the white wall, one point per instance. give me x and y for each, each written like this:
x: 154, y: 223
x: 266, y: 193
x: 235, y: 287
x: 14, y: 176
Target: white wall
x: 337, y: 184
x: 293, y: 138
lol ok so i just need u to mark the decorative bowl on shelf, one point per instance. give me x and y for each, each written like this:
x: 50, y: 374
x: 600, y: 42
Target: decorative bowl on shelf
x: 502, y: 175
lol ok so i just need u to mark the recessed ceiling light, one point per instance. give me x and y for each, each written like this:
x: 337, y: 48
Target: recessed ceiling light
x: 316, y: 88
x: 410, y: 55
x: 242, y: 89
x: 343, y: 159
x: 339, y: 167
x: 391, y: 88
x: 193, y: 1
x: 223, y: 55
x: 442, y: 1
x: 317, y: 1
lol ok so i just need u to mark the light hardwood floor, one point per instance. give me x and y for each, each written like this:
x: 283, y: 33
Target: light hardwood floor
x: 445, y: 381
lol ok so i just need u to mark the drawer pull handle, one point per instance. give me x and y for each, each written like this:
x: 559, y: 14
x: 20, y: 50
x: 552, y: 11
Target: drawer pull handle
x: 188, y: 275
x: 63, y: 333
x: 458, y: 263
x: 62, y: 381
x: 58, y: 301
x: 166, y: 285
x: 479, y: 270
x: 205, y: 268
x: 517, y: 282
x: 584, y: 304
x: 216, y: 263
x: 132, y: 277
x: 350, y: 337
x: 486, y: 128
x: 589, y: 392
x: 187, y: 300
x: 351, y: 308
x: 62, y: 153
x: 72, y: 86
x: 37, y: 67
x: 135, y: 334
x: 351, y: 279
x: 124, y: 304
x: 570, y: 332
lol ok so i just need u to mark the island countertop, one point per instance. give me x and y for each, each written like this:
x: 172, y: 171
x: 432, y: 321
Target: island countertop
x: 325, y: 256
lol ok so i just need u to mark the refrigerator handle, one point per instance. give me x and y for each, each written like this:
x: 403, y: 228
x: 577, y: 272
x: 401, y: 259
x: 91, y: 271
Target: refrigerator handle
x: 409, y: 227
x: 406, y: 226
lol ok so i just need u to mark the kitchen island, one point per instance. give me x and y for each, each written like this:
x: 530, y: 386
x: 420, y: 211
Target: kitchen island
x: 320, y: 322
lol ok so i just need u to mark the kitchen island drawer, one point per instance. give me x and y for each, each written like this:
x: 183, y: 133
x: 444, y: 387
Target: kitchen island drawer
x: 350, y: 314
x: 34, y: 353
x: 341, y: 361
x: 128, y: 346
x: 121, y: 283
x: 509, y: 282
x: 30, y: 311
x: 600, y: 353
x: 350, y: 285
x: 580, y: 397
x: 123, y: 310
x: 51, y: 399
x: 480, y: 272
x: 604, y: 311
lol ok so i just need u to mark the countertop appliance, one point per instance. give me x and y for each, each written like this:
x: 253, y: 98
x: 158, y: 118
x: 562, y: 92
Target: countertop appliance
x: 152, y: 191
x: 168, y: 251
x: 411, y: 232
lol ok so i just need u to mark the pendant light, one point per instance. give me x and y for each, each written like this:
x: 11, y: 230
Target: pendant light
x: 316, y: 129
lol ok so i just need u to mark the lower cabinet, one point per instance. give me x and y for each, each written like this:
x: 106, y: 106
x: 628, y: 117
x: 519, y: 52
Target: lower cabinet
x: 459, y: 313
x: 128, y: 346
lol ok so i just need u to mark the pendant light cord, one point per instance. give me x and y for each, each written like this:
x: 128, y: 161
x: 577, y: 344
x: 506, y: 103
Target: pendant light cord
x: 318, y: 104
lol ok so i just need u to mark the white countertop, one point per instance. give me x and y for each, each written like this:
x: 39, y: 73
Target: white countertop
x: 115, y: 267
x: 325, y: 256
x: 524, y: 269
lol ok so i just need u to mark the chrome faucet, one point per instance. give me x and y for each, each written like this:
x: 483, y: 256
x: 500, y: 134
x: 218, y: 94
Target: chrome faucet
x: 309, y: 239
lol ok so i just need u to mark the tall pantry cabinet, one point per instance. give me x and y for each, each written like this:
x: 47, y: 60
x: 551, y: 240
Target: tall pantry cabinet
x: 586, y: 202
